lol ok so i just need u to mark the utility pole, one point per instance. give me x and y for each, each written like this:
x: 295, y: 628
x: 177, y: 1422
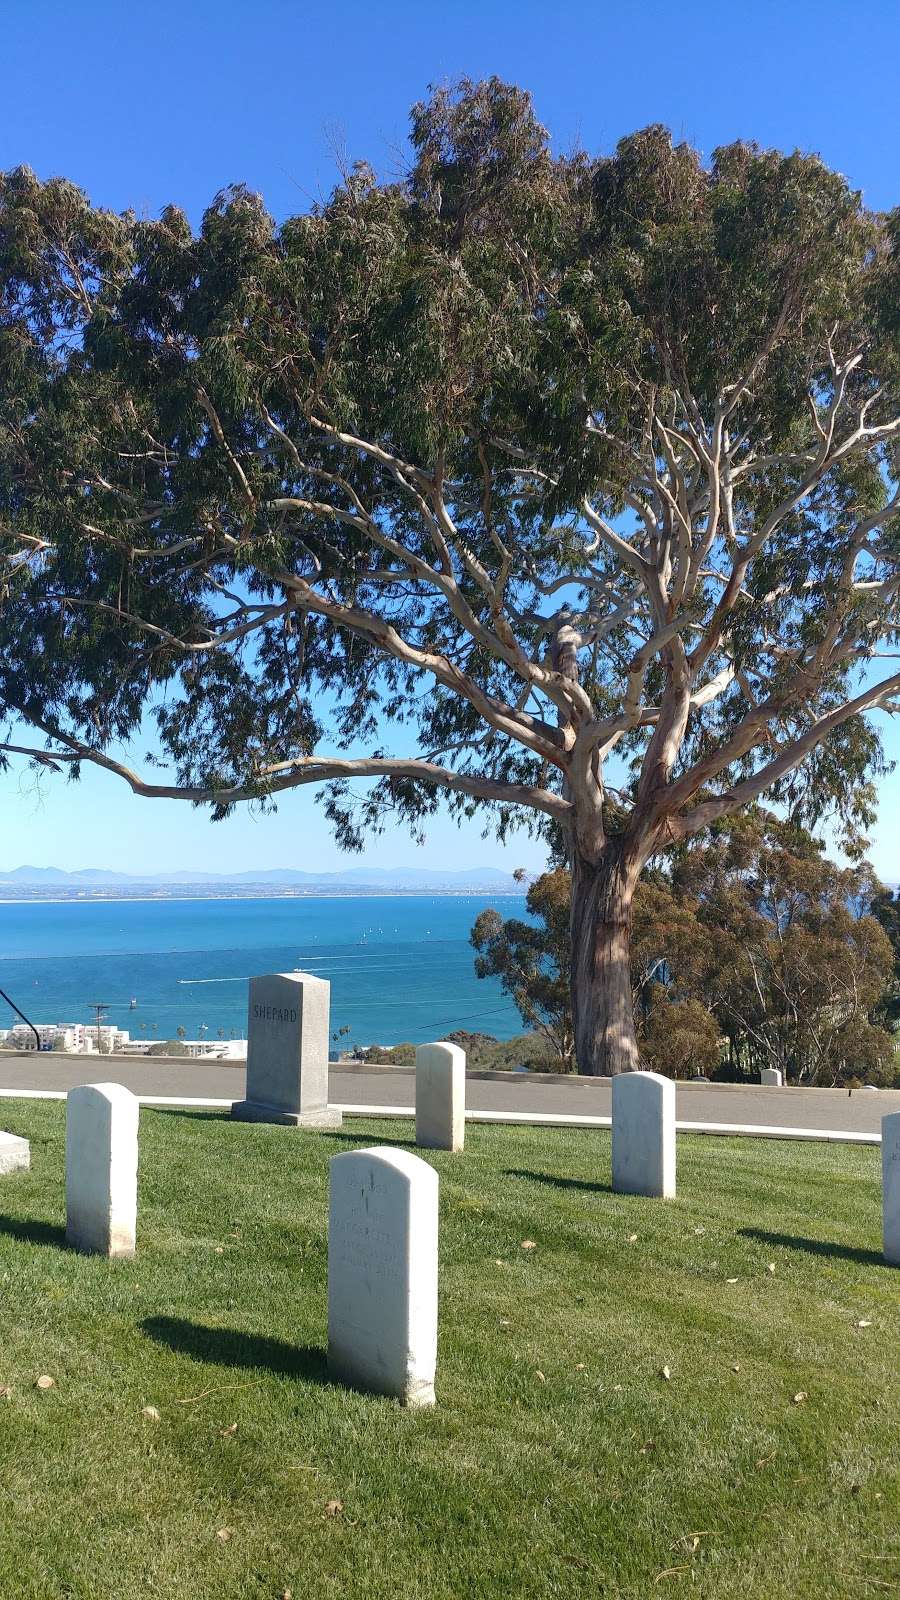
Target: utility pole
x: 101, y: 1007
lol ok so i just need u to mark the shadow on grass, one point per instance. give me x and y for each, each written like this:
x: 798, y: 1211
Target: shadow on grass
x: 321, y: 1133
x: 371, y: 1139
x: 229, y: 1348
x: 51, y: 1233
x: 587, y: 1185
x: 816, y: 1247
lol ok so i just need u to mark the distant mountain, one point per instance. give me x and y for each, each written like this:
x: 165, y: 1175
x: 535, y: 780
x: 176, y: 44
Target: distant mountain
x: 56, y: 875
x: 399, y: 877
x: 409, y: 878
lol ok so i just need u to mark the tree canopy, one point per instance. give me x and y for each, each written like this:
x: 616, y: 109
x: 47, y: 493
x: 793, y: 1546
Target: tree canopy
x: 560, y: 486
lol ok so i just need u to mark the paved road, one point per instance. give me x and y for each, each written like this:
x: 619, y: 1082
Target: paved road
x: 826, y: 1109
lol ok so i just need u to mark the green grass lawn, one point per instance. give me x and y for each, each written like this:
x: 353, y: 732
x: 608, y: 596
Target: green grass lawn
x: 559, y: 1460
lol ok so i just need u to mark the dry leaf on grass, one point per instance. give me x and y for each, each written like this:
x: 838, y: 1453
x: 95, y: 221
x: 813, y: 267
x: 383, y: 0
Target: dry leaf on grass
x: 691, y: 1539
x: 736, y: 1366
x: 334, y: 1508
x: 800, y: 1396
x: 528, y: 1244
x: 45, y: 1382
x: 864, y: 1323
x: 540, y: 1376
x: 579, y: 1366
x: 632, y: 1238
x: 5, y: 1391
x: 224, y: 1534
x: 731, y: 1280
x: 151, y: 1413
x: 770, y: 1267
x: 665, y: 1372
x: 227, y: 1432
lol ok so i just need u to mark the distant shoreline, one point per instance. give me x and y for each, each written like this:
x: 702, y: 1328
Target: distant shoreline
x: 86, y: 899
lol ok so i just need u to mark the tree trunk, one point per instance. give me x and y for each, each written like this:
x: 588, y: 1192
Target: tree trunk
x: 602, y: 1005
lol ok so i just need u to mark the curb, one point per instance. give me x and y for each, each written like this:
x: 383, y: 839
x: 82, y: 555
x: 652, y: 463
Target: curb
x: 548, y: 1119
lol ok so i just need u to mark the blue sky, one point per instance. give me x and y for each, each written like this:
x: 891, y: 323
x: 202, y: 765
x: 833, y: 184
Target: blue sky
x: 148, y: 104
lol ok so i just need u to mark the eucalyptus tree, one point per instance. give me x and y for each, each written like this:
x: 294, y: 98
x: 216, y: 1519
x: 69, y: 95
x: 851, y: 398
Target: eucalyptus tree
x: 561, y: 488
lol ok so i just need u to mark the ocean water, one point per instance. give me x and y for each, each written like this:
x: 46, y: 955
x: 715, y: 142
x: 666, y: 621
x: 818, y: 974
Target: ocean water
x: 399, y: 967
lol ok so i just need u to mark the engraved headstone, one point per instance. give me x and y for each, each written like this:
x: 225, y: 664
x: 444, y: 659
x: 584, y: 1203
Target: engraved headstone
x: 383, y: 1273
x: 643, y: 1134
x: 771, y: 1077
x: 101, y: 1168
x: 440, y: 1096
x: 15, y: 1153
x: 287, y: 1052
x: 890, y: 1186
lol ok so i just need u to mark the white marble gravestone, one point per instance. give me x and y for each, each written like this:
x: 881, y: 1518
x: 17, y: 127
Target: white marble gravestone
x: 440, y: 1096
x: 383, y: 1273
x: 890, y: 1186
x: 101, y: 1168
x: 771, y: 1077
x: 287, y: 1052
x: 15, y: 1153
x: 643, y: 1134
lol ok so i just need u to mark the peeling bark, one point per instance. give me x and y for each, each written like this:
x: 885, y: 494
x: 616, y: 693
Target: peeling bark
x: 602, y: 1004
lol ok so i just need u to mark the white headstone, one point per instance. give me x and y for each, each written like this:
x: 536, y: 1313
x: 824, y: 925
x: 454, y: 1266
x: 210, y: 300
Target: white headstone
x: 440, y: 1096
x: 771, y: 1076
x: 383, y: 1273
x: 643, y: 1134
x: 287, y: 1052
x: 101, y: 1168
x: 890, y: 1186
x: 15, y: 1153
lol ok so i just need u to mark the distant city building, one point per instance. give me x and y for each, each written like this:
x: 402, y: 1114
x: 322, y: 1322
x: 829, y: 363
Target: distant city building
x: 215, y: 1049
x: 75, y: 1038
x: 85, y: 1038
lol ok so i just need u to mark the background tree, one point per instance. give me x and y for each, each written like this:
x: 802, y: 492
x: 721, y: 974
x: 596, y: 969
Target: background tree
x: 675, y: 962
x: 519, y: 481
x: 795, y: 966
x: 679, y: 1038
x: 531, y: 959
x: 886, y: 907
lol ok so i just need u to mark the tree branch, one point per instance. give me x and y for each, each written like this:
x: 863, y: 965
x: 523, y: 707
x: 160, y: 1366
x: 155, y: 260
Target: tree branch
x: 294, y: 774
x: 711, y: 810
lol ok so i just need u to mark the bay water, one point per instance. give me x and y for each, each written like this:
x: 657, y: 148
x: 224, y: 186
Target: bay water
x: 400, y: 967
